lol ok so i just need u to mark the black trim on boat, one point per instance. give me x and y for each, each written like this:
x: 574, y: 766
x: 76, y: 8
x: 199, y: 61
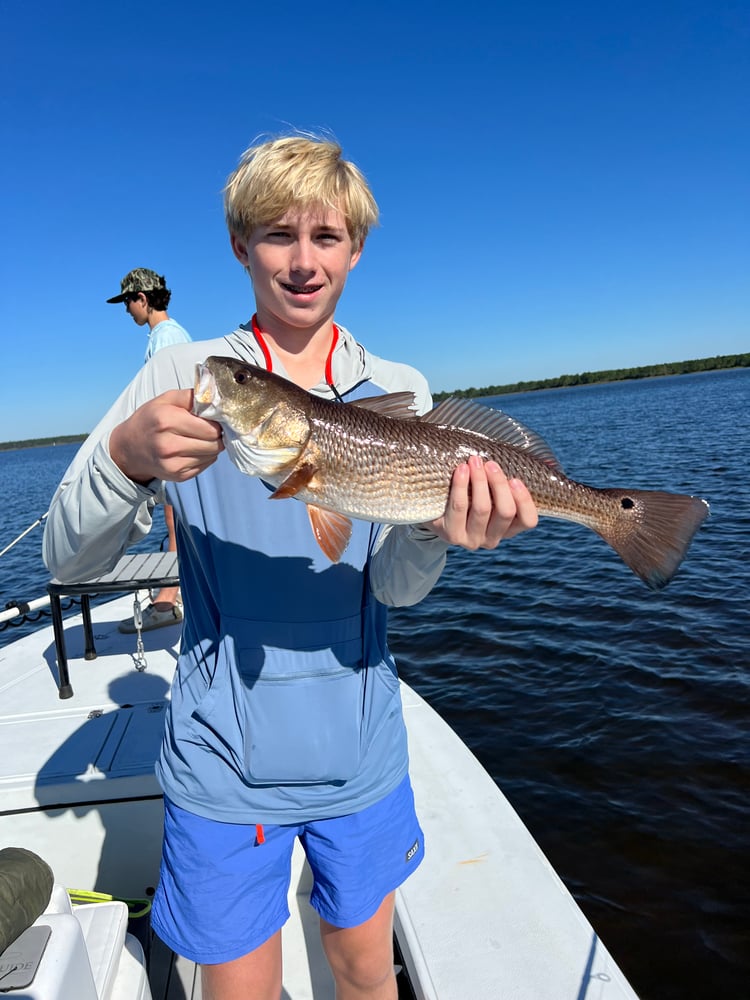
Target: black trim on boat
x: 49, y: 806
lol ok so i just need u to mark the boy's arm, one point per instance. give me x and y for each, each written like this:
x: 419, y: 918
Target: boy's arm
x: 106, y: 499
x: 406, y: 564
x: 96, y: 511
x: 95, y: 515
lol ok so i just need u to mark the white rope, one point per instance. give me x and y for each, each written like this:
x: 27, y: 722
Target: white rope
x: 23, y: 534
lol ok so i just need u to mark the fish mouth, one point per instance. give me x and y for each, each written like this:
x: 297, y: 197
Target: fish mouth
x: 206, y: 393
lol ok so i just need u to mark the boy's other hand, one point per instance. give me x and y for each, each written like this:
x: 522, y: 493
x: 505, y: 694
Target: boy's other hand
x: 163, y: 440
x: 484, y: 507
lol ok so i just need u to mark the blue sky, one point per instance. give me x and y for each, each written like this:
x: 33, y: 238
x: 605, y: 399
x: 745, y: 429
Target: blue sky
x: 563, y: 186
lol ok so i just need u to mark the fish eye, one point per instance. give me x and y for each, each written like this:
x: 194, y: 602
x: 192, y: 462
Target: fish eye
x: 241, y: 377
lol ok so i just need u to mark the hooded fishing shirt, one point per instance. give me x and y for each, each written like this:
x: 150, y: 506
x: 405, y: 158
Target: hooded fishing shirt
x: 285, y: 704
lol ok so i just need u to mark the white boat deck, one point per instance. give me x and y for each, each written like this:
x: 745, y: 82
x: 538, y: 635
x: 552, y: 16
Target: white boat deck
x: 485, y: 917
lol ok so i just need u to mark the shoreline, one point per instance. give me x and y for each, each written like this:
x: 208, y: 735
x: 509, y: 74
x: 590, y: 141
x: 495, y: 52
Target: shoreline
x: 718, y: 363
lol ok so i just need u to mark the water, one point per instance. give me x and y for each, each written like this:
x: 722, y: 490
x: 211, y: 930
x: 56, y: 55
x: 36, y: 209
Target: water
x: 28, y: 479
x: 616, y: 720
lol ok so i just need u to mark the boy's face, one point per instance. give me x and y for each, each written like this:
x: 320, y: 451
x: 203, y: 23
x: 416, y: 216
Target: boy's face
x: 298, y: 265
x: 137, y: 307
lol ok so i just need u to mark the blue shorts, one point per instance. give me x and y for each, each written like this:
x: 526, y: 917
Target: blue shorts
x: 222, y: 892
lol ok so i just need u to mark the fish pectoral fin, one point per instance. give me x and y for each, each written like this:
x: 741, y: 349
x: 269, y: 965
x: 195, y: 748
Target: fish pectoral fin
x: 398, y: 405
x: 299, y: 479
x: 332, y: 531
x: 467, y: 415
x: 305, y: 467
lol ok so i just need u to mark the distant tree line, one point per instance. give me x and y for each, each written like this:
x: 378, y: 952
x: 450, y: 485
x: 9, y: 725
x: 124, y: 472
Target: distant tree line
x: 614, y: 375
x: 40, y: 442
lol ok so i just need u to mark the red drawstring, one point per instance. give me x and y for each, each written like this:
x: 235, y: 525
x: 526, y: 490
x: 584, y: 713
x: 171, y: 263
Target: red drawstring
x: 329, y: 359
x: 263, y: 346
x: 267, y: 354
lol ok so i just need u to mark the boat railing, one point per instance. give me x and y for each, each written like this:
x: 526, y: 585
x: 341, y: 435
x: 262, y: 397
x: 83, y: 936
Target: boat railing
x: 19, y: 609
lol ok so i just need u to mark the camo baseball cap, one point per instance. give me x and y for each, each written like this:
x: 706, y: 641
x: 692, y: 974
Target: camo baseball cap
x: 139, y: 280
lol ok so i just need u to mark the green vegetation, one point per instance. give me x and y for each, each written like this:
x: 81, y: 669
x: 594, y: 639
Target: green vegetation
x: 41, y: 442
x: 617, y: 375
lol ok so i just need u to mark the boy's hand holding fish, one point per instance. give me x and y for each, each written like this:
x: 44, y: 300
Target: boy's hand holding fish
x: 163, y: 439
x: 484, y: 507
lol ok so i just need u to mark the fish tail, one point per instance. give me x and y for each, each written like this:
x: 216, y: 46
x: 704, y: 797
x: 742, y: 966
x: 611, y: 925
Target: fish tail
x: 653, y: 531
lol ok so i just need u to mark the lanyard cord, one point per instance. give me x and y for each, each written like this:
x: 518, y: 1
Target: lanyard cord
x: 329, y: 360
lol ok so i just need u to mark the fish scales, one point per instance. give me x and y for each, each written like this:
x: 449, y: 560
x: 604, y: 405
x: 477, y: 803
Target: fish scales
x: 381, y: 469
x: 399, y: 472
x: 376, y: 460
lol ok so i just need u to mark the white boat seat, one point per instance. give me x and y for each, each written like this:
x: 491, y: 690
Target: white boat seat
x: 104, y: 926
x: 89, y: 954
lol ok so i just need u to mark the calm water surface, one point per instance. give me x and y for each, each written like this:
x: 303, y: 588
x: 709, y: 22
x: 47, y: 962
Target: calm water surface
x: 616, y: 720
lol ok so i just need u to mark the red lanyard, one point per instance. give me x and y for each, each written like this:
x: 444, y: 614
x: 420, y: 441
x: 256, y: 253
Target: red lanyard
x: 267, y: 354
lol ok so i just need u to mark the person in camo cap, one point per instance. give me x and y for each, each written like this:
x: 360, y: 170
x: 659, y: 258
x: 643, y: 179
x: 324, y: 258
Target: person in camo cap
x: 146, y: 298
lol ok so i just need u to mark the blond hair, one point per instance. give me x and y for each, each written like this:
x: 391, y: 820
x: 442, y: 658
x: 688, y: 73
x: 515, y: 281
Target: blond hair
x: 300, y: 171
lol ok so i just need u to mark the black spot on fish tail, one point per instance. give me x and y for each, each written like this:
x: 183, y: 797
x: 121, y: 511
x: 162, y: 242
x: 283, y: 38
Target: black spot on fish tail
x: 653, y: 531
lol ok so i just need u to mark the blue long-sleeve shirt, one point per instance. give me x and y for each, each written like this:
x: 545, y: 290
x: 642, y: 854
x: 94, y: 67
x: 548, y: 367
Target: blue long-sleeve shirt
x: 285, y: 704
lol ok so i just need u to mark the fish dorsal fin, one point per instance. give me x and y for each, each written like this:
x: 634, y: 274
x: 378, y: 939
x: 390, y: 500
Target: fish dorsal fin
x: 465, y: 414
x: 401, y: 405
x: 332, y: 531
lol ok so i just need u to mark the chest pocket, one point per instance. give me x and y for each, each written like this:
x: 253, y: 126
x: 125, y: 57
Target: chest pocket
x: 291, y: 713
x: 305, y: 726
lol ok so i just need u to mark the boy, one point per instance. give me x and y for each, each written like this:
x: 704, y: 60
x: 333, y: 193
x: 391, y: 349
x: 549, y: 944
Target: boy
x: 146, y: 298
x: 285, y: 718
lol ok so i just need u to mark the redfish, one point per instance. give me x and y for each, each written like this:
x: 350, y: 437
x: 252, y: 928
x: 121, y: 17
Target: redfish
x: 374, y: 459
